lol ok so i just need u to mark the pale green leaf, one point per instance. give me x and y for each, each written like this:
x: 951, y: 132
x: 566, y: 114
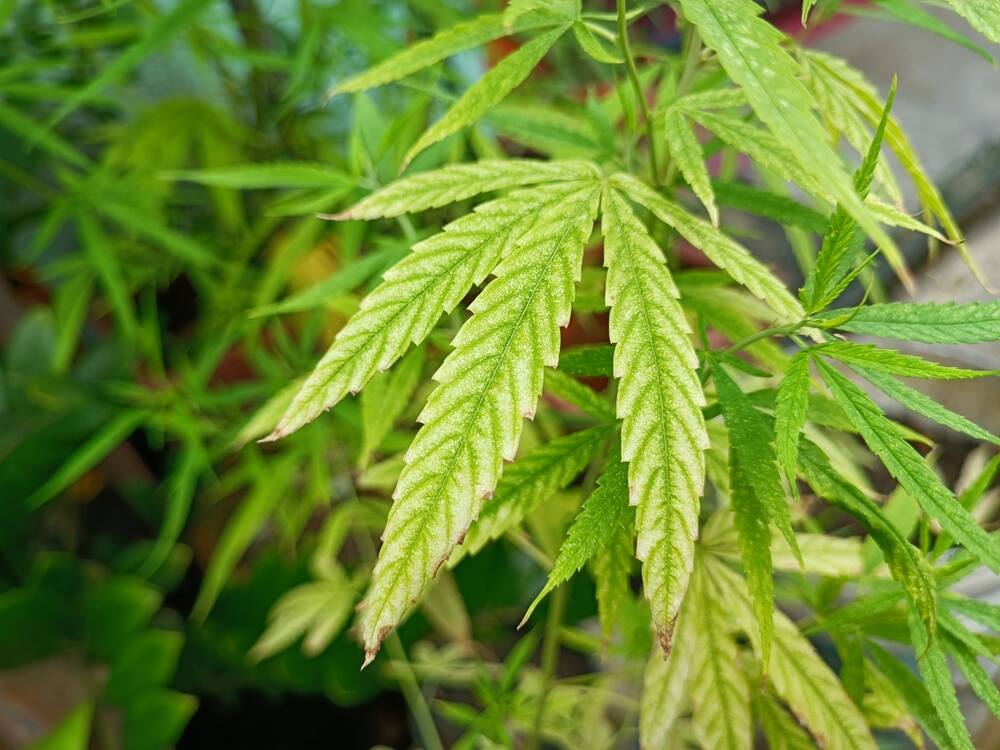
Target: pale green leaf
x: 317, y: 610
x: 659, y: 403
x: 386, y: 398
x: 414, y: 293
x: 724, y: 252
x: 910, y: 469
x: 603, y: 513
x: 592, y: 46
x: 261, y: 176
x: 937, y: 678
x: 473, y: 420
x: 241, y: 529
x: 690, y: 160
x: 982, y: 15
x: 529, y: 481
x: 764, y: 148
x: 488, y: 91
x: 72, y: 732
x: 781, y: 730
x: 916, y: 401
x: 457, y: 182
x: 666, y: 682
x: 896, y: 217
x: 574, y: 392
x: 798, y: 674
x: 750, y: 50
x: 791, y: 406
x: 718, y: 686
x: 893, y: 362
x: 427, y: 52
x: 927, y: 322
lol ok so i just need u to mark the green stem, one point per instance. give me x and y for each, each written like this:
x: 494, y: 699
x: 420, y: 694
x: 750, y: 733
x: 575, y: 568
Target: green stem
x: 550, y: 654
x: 633, y: 76
x: 766, y: 333
x: 413, y: 694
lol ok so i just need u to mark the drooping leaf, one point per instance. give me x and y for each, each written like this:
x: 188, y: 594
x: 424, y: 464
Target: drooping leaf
x: 473, y: 419
x: 933, y: 668
x: 926, y: 322
x: 690, y: 160
x: 909, y: 468
x: 750, y: 51
x: 893, y: 362
x: 659, y: 403
x: 914, y: 15
x: 719, y: 689
x: 798, y: 674
x: 791, y: 406
x: 530, y: 480
x: 979, y: 679
x: 781, y: 730
x: 666, y: 681
x: 780, y: 208
x: 906, y: 563
x: 603, y: 513
x: 757, y: 497
x: 720, y: 249
x: 488, y: 91
x: 913, y: 692
x: 414, y: 293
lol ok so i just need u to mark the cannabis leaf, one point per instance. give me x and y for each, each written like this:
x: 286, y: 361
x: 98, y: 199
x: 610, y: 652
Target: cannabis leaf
x: 757, y: 497
x: 984, y: 17
x: 604, y: 513
x: 473, y: 419
x: 414, y: 293
x: 906, y: 465
x: 690, y: 159
x: 720, y: 249
x: 442, y: 45
x: 488, y: 91
x: 659, y: 403
x: 529, y: 481
x: 750, y: 51
x: 790, y: 409
x: 906, y: 563
x: 926, y: 322
x: 666, y: 680
x: 797, y: 673
x: 718, y: 686
x: 893, y: 362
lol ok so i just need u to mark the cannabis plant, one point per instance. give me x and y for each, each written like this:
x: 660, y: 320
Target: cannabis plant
x: 630, y: 485
x: 698, y: 449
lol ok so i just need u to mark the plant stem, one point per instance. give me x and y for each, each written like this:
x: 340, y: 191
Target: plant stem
x: 766, y: 333
x: 550, y: 654
x: 414, y: 696
x: 633, y: 76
